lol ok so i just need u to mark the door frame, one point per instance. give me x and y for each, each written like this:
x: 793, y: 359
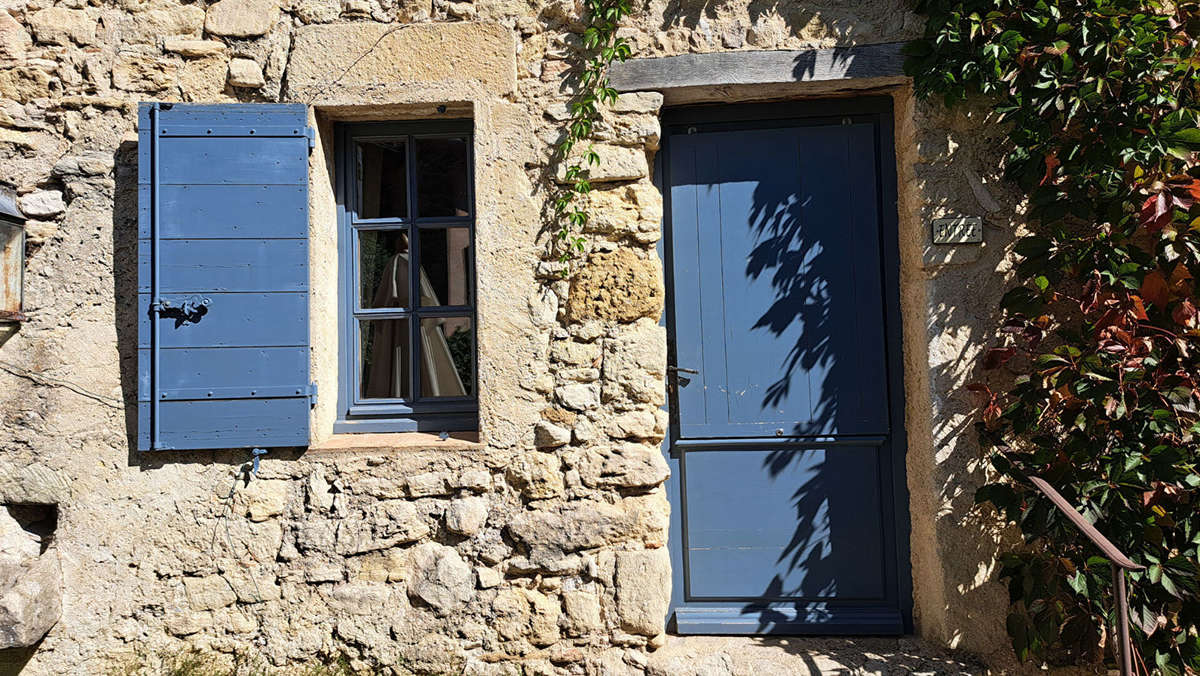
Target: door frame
x: 690, y: 615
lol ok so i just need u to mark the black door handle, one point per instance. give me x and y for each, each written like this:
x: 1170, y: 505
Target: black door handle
x: 680, y: 369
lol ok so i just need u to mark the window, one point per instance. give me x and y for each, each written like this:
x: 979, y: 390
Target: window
x: 407, y: 302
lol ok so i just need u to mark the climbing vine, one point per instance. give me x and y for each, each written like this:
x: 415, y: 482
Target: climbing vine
x: 600, y: 38
x: 1097, y: 364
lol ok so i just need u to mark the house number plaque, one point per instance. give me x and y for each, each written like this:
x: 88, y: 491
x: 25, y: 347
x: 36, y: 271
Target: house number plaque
x: 958, y: 230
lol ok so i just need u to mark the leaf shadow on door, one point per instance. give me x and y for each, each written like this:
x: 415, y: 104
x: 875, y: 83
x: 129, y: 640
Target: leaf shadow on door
x: 804, y: 249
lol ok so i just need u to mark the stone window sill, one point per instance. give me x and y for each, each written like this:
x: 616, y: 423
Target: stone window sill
x: 393, y: 442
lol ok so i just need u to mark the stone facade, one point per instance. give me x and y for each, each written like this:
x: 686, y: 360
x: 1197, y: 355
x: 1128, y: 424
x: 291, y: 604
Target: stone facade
x: 539, y: 546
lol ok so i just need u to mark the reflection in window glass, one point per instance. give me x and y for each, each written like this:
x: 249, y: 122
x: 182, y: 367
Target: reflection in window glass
x: 383, y: 268
x: 446, y: 357
x: 445, y: 262
x: 384, y: 353
x: 442, y: 176
x: 382, y: 179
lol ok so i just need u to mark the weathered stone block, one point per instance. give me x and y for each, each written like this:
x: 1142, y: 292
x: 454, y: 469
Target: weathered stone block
x: 42, y: 203
x: 62, y: 26
x: 616, y: 286
x: 252, y: 585
x: 643, y: 581
x: 637, y: 102
x: 543, y: 621
x: 440, y: 577
x: 466, y: 516
x: 194, y: 48
x: 262, y: 499
x: 577, y: 525
x: 14, y: 39
x: 583, y: 613
x: 26, y: 83
x: 548, y: 435
x: 135, y: 72
x: 245, y: 73
x: 579, y: 397
x: 536, y: 475
x: 241, y: 18
x: 464, y: 51
x: 209, y: 592
x: 387, y: 566
x: 617, y: 163
x: 158, y: 19
x: 30, y: 597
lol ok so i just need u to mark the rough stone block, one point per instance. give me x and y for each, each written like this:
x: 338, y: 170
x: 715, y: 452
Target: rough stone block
x: 643, y: 581
x: 14, y: 39
x: 209, y: 592
x: 42, y: 203
x: 440, y: 577
x: 616, y: 286
x: 136, y: 72
x: 245, y: 73
x: 157, y: 19
x: 30, y: 597
x: 241, y: 18
x: 461, y: 51
x: 617, y: 163
x: 264, y: 498
x: 582, y: 524
x: 62, y: 26
x: 548, y: 435
x: 583, y: 613
x: 579, y: 397
x: 536, y: 475
x: 466, y: 516
x: 194, y: 48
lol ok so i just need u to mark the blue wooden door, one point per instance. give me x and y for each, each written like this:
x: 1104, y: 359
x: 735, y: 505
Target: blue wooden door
x: 787, y: 430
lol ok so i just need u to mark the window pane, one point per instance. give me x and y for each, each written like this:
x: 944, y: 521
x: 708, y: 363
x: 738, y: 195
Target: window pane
x: 442, y: 177
x: 385, y: 358
x: 382, y: 179
x: 445, y: 266
x: 383, y: 268
x: 447, y: 357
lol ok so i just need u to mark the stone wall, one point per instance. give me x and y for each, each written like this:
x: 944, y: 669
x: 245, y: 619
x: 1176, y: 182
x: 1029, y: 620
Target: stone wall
x: 541, y: 545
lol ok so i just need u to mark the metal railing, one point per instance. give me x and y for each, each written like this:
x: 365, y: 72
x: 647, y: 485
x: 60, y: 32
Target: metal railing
x: 1120, y: 564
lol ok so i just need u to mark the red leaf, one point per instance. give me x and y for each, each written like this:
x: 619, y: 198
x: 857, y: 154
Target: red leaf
x: 997, y: 356
x: 1184, y: 314
x: 1156, y: 212
x: 1139, y: 310
x: 1154, y: 289
x: 1052, y: 163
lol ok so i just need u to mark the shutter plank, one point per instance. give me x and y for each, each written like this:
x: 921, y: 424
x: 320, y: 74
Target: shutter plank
x: 206, y: 265
x: 227, y: 211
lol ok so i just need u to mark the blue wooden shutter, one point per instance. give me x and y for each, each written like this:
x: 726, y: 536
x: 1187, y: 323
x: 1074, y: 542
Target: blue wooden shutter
x: 223, y: 344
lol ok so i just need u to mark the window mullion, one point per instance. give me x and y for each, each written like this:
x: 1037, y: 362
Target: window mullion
x: 414, y: 274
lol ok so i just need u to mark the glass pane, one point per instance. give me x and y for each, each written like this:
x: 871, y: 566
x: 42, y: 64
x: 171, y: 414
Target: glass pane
x: 383, y: 268
x: 447, y: 357
x: 382, y: 179
x: 445, y: 266
x: 442, y: 177
x: 385, y: 358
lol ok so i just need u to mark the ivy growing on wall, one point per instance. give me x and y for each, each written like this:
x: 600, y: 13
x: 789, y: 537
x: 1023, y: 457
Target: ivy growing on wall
x: 600, y: 40
x: 1099, y: 351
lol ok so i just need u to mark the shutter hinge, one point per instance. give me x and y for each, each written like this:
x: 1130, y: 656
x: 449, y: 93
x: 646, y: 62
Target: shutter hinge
x: 312, y: 394
x: 311, y: 135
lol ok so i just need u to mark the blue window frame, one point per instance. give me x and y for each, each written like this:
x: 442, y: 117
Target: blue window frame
x: 406, y: 277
